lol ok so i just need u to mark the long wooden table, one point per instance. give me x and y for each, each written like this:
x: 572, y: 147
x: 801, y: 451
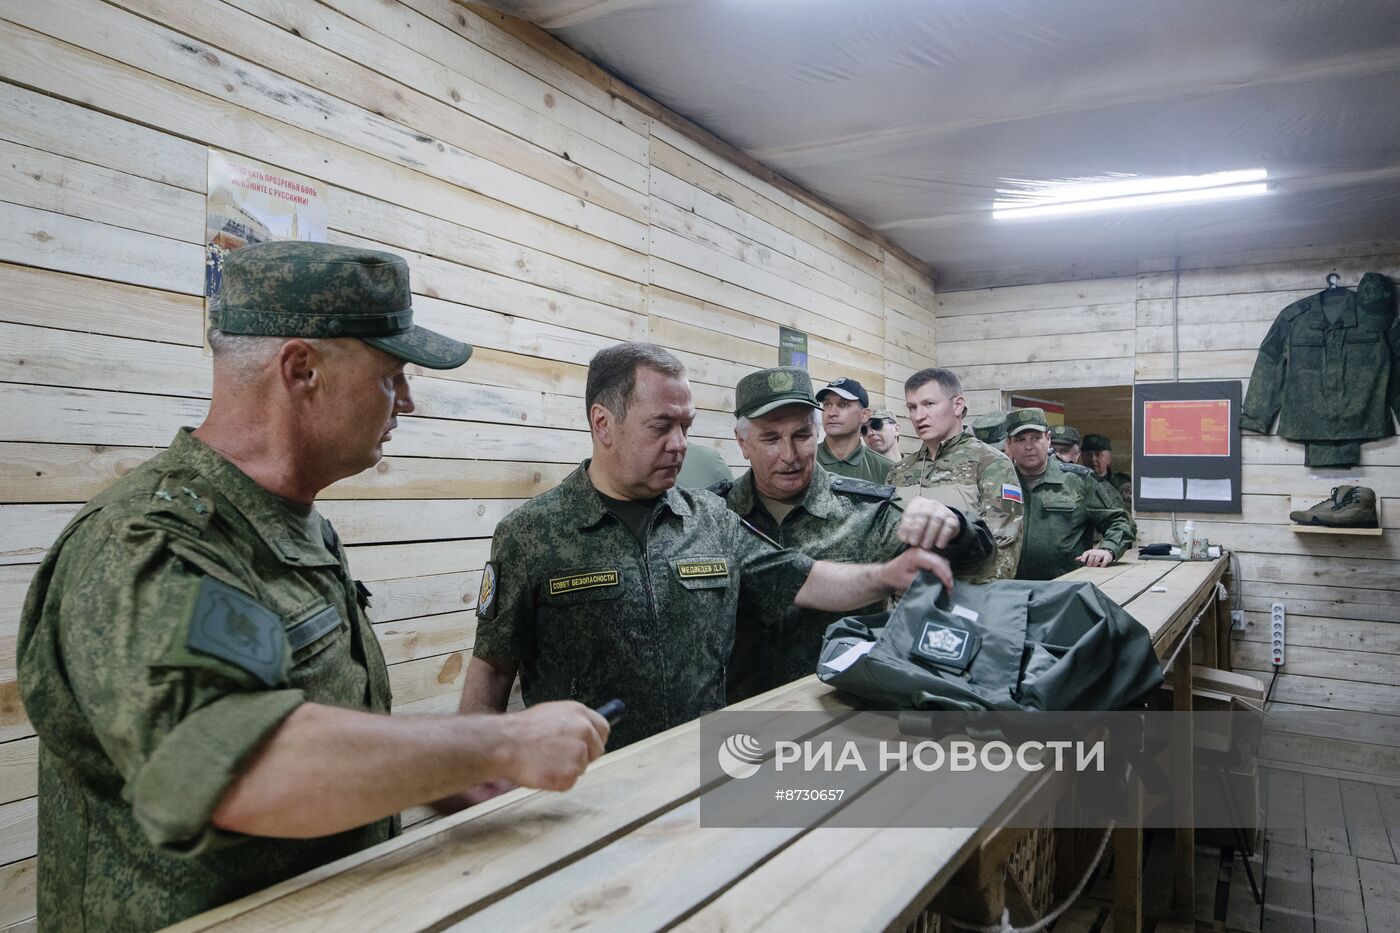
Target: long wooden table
x: 625, y: 850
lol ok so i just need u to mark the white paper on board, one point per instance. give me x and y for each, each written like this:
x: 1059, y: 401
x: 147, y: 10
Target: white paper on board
x: 1208, y: 490
x: 1161, y: 487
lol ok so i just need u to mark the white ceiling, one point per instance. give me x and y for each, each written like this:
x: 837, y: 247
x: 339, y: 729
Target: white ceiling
x: 912, y: 115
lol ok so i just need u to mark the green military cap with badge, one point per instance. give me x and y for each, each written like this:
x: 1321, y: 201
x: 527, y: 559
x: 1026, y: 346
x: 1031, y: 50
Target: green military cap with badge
x: 990, y: 429
x: 1093, y: 443
x: 291, y: 288
x: 763, y: 391
x: 1064, y: 434
x: 1025, y: 419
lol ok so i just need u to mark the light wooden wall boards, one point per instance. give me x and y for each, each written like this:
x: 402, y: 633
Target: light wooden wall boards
x: 546, y: 212
x: 1343, y: 648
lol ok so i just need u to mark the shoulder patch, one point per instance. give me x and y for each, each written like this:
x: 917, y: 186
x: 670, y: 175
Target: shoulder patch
x: 861, y: 487
x: 1011, y: 492
x: 721, y: 488
x: 232, y: 626
x: 486, y: 596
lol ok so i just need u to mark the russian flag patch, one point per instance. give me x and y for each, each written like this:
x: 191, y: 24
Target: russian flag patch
x: 1011, y: 492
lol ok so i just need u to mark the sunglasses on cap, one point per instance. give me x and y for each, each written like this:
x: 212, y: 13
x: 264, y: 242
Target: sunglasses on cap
x: 875, y: 424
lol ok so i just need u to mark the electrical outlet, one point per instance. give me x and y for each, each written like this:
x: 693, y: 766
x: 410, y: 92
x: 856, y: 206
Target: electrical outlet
x: 1237, y: 620
x: 1277, y: 617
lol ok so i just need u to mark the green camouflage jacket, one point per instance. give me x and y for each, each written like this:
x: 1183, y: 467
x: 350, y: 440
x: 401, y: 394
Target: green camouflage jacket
x: 1063, y: 510
x: 976, y: 479
x: 178, y: 619
x: 1120, y: 484
x: 840, y: 519
x: 1329, y: 377
x: 592, y: 615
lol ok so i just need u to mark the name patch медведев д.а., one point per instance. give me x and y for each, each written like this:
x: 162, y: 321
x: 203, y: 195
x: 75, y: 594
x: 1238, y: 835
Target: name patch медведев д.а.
x: 691, y: 569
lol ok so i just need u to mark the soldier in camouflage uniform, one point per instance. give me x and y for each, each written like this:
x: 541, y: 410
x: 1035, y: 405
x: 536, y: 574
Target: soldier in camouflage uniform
x: 618, y: 584
x: 789, y: 497
x: 1064, y: 506
x: 194, y: 653
x: 1098, y: 456
x: 991, y: 430
x: 1064, y: 443
x: 845, y: 409
x: 881, y: 433
x: 959, y: 470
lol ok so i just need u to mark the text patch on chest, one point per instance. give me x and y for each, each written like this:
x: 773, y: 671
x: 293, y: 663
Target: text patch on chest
x: 694, y: 569
x: 583, y: 581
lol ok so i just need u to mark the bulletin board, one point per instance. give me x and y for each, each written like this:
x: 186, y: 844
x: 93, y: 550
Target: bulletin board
x: 1186, y: 439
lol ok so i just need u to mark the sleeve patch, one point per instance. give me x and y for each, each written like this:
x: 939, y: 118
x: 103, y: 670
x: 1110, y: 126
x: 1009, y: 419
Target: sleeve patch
x: 1011, y: 492
x: 486, y: 596
x: 232, y: 626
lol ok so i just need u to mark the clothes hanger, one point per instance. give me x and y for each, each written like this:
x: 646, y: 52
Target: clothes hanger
x: 1332, y: 287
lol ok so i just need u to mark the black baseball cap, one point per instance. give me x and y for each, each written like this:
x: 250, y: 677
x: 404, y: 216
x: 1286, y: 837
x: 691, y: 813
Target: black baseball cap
x: 849, y: 389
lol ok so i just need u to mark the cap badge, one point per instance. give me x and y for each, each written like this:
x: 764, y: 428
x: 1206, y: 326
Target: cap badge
x: 780, y: 381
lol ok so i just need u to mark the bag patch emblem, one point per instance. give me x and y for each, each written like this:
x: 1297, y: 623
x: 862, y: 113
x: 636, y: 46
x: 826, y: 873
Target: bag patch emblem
x: 946, y: 646
x: 583, y: 581
x: 944, y: 642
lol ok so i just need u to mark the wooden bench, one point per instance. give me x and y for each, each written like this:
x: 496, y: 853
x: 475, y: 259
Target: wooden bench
x: 625, y: 850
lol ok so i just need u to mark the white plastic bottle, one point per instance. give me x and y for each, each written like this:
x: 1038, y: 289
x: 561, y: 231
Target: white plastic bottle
x: 1188, y: 540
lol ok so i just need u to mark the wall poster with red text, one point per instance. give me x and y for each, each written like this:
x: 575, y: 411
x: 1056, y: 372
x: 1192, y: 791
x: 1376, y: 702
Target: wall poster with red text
x: 1186, y: 428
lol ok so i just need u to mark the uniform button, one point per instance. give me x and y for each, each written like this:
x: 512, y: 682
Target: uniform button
x: 334, y: 325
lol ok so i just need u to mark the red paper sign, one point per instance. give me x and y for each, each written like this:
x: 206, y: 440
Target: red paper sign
x: 1194, y: 428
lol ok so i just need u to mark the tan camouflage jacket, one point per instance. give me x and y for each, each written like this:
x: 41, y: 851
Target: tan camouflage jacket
x: 972, y: 476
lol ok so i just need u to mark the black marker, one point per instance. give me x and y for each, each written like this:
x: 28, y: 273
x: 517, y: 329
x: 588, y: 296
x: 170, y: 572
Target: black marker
x: 612, y: 711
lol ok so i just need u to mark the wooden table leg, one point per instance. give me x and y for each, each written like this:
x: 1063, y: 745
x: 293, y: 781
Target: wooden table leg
x: 1184, y: 848
x: 1127, y: 865
x: 1210, y: 634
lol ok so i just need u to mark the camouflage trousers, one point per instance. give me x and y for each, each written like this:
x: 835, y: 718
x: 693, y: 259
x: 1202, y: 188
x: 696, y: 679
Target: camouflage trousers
x: 1332, y: 453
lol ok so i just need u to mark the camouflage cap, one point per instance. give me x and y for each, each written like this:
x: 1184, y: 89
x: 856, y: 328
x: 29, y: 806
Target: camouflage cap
x: 1093, y: 443
x: 990, y: 429
x: 760, y: 392
x: 1064, y: 434
x: 883, y: 413
x: 1025, y: 419
x: 291, y: 288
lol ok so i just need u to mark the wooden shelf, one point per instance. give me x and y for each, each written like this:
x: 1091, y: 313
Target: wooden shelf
x: 1324, y: 530
x: 1303, y: 503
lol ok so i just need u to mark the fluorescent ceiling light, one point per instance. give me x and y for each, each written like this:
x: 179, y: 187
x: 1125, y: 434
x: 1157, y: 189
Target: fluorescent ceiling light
x: 1061, y: 200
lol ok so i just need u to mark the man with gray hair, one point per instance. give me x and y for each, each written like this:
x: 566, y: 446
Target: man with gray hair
x: 617, y: 584
x: 196, y: 657
x: 791, y: 498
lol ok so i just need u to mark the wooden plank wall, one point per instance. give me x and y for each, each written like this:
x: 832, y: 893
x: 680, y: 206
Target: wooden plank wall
x: 1339, y: 591
x: 545, y: 215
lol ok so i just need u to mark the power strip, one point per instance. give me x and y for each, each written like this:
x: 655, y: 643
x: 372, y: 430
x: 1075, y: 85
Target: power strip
x: 1276, y: 631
